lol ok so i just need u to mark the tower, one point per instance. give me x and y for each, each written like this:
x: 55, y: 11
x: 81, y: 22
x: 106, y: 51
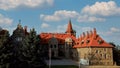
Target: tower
x: 70, y: 30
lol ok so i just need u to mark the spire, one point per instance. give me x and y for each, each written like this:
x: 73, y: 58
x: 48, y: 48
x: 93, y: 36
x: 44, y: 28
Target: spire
x: 69, y: 30
x: 69, y: 27
x: 19, y: 25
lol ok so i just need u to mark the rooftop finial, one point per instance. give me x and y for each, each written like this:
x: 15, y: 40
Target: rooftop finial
x: 70, y: 20
x: 19, y: 25
x: 19, y: 21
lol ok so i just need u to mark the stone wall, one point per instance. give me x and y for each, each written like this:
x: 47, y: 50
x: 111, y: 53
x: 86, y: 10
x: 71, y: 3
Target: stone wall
x: 96, y: 56
x: 99, y: 66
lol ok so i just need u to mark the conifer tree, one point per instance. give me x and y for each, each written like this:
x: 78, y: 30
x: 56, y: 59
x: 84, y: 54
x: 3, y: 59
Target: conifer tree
x: 31, y: 50
x: 5, y: 51
x: 21, y: 51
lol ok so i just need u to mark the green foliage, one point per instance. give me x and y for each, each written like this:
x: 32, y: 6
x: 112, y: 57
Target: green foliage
x: 3, y: 38
x: 21, y: 54
x: 31, y: 49
x: 63, y: 66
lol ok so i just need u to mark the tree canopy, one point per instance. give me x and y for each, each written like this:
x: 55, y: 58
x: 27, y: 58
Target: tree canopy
x: 20, y: 51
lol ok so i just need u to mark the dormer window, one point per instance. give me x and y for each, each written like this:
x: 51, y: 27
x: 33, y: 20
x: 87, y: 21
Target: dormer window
x: 82, y: 42
x: 87, y: 41
x: 100, y: 41
x: 96, y: 37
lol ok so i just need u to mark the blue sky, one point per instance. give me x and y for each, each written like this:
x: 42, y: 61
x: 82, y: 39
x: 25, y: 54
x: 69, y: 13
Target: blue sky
x: 53, y: 16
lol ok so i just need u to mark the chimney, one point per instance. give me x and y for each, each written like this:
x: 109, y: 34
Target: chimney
x: 87, y: 34
x: 81, y: 37
x: 94, y: 31
x: 25, y: 28
x: 91, y: 33
x: 83, y: 34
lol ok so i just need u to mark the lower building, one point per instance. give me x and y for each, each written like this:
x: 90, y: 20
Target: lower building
x: 92, y: 48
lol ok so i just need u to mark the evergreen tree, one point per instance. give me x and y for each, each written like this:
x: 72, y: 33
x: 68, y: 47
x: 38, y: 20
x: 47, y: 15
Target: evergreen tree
x: 4, y: 35
x: 116, y: 53
x: 20, y: 51
x: 31, y: 50
x: 5, y: 51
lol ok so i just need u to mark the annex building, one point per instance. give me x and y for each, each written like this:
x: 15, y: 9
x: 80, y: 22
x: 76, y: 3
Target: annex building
x: 89, y: 46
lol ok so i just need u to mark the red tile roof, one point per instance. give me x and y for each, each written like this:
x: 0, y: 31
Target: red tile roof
x: 91, y: 39
x: 45, y: 37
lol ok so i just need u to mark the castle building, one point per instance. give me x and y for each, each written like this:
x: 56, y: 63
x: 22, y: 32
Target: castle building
x: 19, y: 33
x: 89, y: 46
x: 61, y: 44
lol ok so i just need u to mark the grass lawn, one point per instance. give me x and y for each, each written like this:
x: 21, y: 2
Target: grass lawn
x: 63, y: 66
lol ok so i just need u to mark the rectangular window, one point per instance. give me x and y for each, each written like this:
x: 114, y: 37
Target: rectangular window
x: 105, y: 56
x: 96, y: 51
x: 51, y: 46
x: 104, y: 49
x: 101, y: 55
x: 55, y: 46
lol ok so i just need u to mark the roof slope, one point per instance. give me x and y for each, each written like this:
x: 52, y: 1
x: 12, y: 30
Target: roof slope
x: 45, y: 37
x: 91, y: 39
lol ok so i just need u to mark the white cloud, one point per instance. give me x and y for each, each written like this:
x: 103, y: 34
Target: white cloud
x: 62, y: 28
x: 5, y: 20
x: 11, y: 4
x: 102, y: 8
x: 94, y: 13
x: 86, y: 18
x: 86, y: 29
x: 114, y: 29
x: 44, y: 25
x: 64, y: 14
x: 111, y: 35
x: 60, y: 15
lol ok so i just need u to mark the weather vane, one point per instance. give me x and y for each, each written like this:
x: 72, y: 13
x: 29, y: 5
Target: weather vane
x: 19, y: 21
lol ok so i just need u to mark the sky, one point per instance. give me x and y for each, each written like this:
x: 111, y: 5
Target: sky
x: 53, y: 16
